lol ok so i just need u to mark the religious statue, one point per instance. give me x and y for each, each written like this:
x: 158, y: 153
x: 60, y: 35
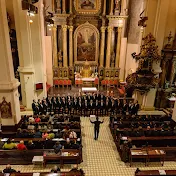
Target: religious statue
x: 113, y: 59
x: 58, y: 6
x: 5, y: 109
x: 117, y: 4
x: 59, y: 56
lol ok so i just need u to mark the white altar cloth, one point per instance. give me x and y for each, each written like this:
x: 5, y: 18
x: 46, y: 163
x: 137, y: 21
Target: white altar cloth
x: 89, y: 89
x: 90, y: 79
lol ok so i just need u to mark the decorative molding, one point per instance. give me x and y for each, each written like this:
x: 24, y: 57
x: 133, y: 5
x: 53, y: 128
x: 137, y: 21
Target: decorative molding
x: 26, y: 70
x: 9, y: 86
x: 88, y: 11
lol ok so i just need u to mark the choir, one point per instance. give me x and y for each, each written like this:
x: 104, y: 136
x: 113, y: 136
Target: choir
x: 85, y: 104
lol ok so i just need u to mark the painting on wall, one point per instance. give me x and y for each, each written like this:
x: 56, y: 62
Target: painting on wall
x: 87, y: 6
x: 5, y: 109
x: 86, y: 43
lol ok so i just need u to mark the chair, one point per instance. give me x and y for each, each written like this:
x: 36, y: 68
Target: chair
x: 65, y: 83
x: 115, y: 82
x: 106, y: 83
x: 56, y: 82
x: 103, y: 83
x: 76, y: 82
x: 69, y: 83
x: 96, y: 81
x: 60, y: 83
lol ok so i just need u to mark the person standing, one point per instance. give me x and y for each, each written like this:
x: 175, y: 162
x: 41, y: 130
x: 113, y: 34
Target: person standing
x: 96, y: 127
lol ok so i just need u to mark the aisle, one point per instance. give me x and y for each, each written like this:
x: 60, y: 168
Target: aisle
x: 100, y: 157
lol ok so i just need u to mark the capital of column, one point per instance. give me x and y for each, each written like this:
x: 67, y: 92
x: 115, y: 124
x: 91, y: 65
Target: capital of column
x: 70, y: 28
x: 110, y: 28
x: 103, y: 28
x: 64, y: 27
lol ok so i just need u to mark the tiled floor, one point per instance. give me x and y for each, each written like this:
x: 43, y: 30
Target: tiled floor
x: 100, y: 158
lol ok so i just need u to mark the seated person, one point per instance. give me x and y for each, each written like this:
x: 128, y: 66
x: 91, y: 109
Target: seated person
x: 19, y: 133
x: 31, y: 127
x: 59, y: 134
x: 21, y: 146
x: 9, y: 145
x: 48, y: 144
x: 76, y: 171
x: 67, y: 145
x: 57, y: 147
x: 37, y: 134
x: 50, y: 126
x: 51, y: 135
x: 30, y: 145
x: 74, y: 145
x: 31, y: 120
x: 56, y: 169
x: 8, y: 169
x: 45, y: 135
x: 37, y: 119
x: 72, y: 134
x: 38, y: 145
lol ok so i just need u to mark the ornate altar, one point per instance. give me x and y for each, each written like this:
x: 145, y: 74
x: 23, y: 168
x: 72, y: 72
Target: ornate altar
x: 80, y: 33
x: 145, y: 79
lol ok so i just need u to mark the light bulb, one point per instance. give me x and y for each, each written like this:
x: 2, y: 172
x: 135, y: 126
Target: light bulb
x: 49, y: 29
x: 30, y: 21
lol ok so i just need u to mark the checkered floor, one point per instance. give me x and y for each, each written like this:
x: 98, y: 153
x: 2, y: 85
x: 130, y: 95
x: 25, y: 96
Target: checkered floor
x: 99, y: 157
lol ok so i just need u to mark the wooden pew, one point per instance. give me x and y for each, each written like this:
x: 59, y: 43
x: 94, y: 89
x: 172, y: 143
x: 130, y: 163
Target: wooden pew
x: 155, y: 172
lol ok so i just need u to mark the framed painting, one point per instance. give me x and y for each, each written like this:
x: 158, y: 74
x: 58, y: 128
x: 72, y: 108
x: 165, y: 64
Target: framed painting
x: 86, y: 43
x: 87, y: 6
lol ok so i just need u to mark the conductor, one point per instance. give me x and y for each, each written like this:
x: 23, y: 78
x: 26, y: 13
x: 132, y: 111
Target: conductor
x: 96, y: 127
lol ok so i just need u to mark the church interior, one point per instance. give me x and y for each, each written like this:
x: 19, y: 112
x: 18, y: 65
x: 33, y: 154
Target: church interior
x: 87, y: 87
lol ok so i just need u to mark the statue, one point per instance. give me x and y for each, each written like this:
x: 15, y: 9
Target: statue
x: 113, y: 59
x: 58, y: 6
x: 59, y: 56
x: 117, y: 4
x: 142, y: 21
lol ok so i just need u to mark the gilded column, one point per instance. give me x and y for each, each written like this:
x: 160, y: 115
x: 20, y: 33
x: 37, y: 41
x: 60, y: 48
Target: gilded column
x: 111, y: 7
x: 71, y: 45
x: 71, y: 6
x: 54, y: 40
x: 63, y: 6
x: 118, y: 47
x: 102, y: 46
x: 108, y: 51
x: 104, y: 8
x: 64, y: 29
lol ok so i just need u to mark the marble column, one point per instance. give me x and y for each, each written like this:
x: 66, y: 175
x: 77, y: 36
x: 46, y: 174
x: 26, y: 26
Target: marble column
x: 108, y: 51
x: 111, y: 7
x: 118, y: 47
x: 30, y: 40
x: 174, y: 112
x: 8, y: 83
x: 102, y: 46
x: 63, y: 6
x: 26, y: 58
x: 70, y: 46
x: 54, y: 41
x: 71, y: 6
x: 104, y: 8
x: 65, y: 62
